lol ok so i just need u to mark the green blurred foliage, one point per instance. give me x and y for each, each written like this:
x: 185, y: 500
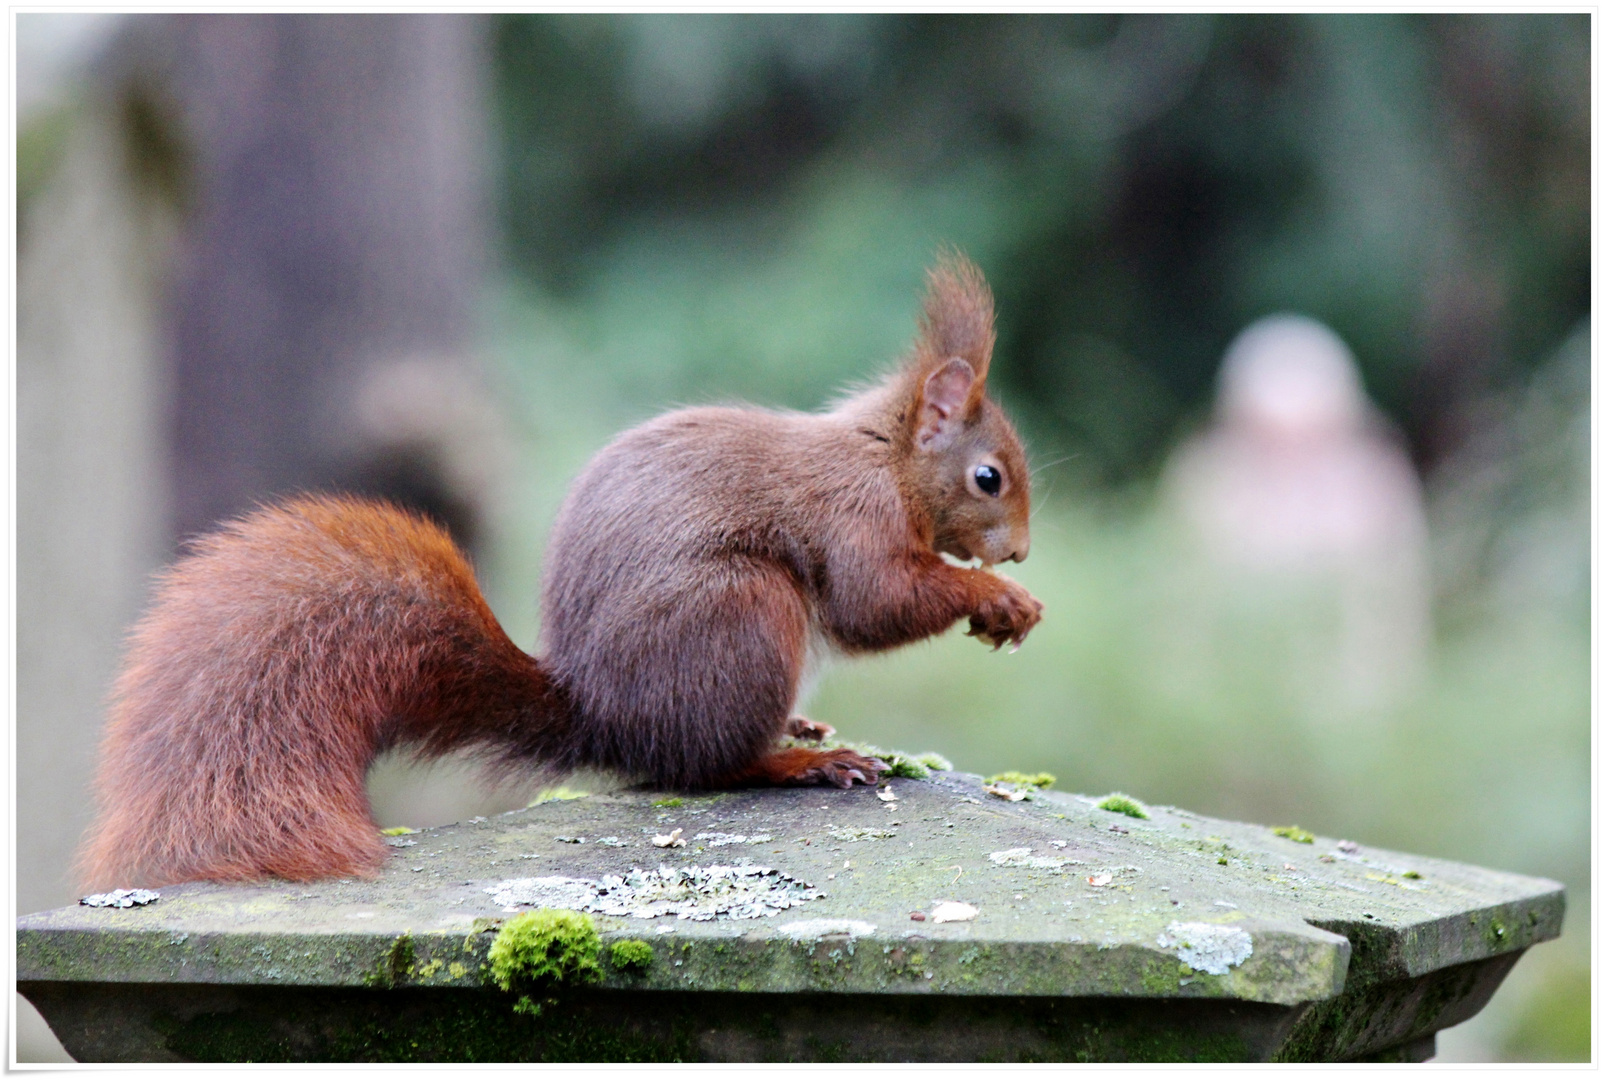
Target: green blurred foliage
x: 1138, y: 189
x: 741, y: 207
x: 1555, y: 1024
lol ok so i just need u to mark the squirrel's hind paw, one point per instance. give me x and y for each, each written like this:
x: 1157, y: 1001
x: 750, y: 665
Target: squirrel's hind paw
x: 801, y: 767
x: 843, y: 770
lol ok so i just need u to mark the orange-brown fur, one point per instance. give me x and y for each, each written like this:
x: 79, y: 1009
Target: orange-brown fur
x: 692, y: 563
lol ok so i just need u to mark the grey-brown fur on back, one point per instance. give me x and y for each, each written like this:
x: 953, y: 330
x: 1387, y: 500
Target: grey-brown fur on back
x: 684, y: 574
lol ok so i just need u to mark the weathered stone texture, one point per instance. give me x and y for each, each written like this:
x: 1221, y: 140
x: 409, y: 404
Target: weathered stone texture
x: 1098, y: 936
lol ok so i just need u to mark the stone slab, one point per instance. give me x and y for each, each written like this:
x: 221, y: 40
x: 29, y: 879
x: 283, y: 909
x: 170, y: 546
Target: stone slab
x: 1072, y: 902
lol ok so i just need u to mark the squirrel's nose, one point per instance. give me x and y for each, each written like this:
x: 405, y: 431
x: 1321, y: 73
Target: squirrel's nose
x: 1020, y: 553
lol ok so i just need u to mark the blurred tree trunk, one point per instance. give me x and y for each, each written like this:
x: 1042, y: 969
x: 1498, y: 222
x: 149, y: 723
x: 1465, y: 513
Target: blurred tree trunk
x: 324, y: 293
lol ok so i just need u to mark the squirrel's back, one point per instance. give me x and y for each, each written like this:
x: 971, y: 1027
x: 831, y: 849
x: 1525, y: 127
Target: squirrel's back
x: 278, y: 657
x: 682, y: 576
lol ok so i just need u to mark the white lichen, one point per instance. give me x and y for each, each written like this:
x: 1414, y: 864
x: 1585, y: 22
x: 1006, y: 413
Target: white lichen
x: 809, y: 929
x: 721, y: 839
x: 1024, y: 857
x: 122, y: 898
x: 699, y: 893
x: 1207, y: 947
x: 953, y: 911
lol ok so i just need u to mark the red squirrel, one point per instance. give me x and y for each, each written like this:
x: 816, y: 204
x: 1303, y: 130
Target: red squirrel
x: 695, y: 563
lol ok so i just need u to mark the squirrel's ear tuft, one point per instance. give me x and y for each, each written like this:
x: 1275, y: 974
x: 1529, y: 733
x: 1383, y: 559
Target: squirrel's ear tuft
x: 957, y: 319
x: 944, y: 405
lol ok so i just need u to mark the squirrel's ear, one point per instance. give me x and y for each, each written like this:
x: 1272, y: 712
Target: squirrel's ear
x: 957, y: 318
x: 945, y: 402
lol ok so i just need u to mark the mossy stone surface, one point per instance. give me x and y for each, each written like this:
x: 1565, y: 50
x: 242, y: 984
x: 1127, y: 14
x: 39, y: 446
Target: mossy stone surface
x: 1071, y: 902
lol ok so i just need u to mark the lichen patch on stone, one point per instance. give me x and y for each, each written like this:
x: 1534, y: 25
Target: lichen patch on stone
x: 809, y: 929
x: 699, y: 893
x: 1207, y: 947
x: 720, y: 839
x: 850, y: 836
x: 122, y: 898
x: 1024, y: 857
x: 953, y: 911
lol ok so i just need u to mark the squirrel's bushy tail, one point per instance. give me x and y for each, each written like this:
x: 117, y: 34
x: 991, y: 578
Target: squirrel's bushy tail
x: 281, y: 654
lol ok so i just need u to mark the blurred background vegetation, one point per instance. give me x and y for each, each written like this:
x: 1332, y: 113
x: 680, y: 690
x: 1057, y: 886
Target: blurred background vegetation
x: 703, y: 208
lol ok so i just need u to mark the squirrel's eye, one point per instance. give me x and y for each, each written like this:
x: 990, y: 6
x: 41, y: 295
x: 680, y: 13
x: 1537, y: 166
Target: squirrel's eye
x: 987, y: 478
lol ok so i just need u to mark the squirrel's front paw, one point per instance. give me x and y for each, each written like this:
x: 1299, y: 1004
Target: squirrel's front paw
x: 802, y: 727
x: 840, y: 768
x: 1006, y: 616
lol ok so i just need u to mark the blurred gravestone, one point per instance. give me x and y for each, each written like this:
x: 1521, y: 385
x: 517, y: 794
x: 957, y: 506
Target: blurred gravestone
x: 1299, y: 491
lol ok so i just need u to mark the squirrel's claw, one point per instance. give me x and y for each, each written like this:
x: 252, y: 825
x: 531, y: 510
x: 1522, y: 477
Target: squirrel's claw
x: 1006, y: 618
x: 998, y: 636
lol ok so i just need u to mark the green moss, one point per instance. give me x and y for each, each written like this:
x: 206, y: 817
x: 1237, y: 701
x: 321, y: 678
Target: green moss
x: 397, y: 830
x: 669, y: 803
x: 1160, y: 980
x: 907, y: 768
x: 1293, y: 832
x: 394, y: 964
x: 635, y: 956
x: 1496, y: 935
x: 1118, y: 803
x: 558, y: 794
x: 1020, y: 779
x: 543, y: 949
x: 899, y: 763
x: 1412, y: 875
